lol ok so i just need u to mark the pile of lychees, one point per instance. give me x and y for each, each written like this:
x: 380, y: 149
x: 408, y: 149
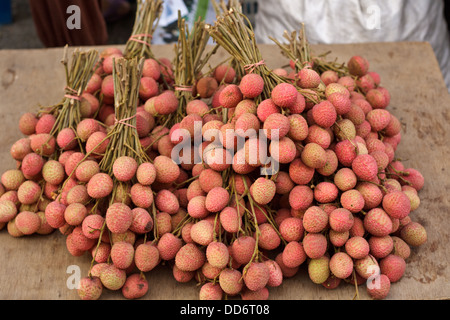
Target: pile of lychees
x: 275, y: 184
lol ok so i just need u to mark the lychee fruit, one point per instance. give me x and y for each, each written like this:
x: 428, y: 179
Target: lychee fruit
x: 379, y: 287
x: 414, y: 234
x: 146, y: 256
x: 393, y: 267
x: 315, y: 245
x: 113, y: 278
x: 284, y: 95
x: 90, y: 288
x: 190, y: 257
x: 318, y: 269
x: 341, y: 265
x: 135, y: 287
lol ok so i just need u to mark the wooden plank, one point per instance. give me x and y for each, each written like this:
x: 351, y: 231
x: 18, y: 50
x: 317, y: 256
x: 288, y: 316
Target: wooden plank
x: 35, y: 267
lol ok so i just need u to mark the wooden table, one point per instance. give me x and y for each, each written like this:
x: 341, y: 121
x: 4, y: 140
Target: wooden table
x: 36, y: 267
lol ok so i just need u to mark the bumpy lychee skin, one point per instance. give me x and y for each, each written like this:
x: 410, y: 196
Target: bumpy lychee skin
x: 243, y: 248
x: 8, y: 210
x: 371, y: 193
x: 352, y: 200
x: 135, y: 287
x: 325, y: 192
x: 217, y: 199
x: 378, y: 223
x: 86, y: 170
x: 32, y: 164
x: 210, y: 291
x: 318, y: 269
x: 263, y: 190
x: 27, y: 123
x: 97, y: 143
x: 301, y: 197
x: 54, y: 214
x: 293, y: 254
x: 29, y: 192
x: 122, y: 254
x: 315, y: 245
x: 292, y: 229
x: 397, y: 204
x: 230, y: 96
x: 20, y: 149
x: 251, y: 85
x: 381, y: 247
x: 146, y: 257
x: 224, y: 73
x: 341, y: 220
x: 379, y: 119
x: 75, y: 214
x: 27, y: 222
x: 308, y: 78
x: 190, y: 257
x: 92, y: 225
x: 314, y: 156
x: 284, y: 95
x: 324, y: 114
x: 315, y: 219
x: 298, y: 127
x: 415, y: 178
x: 401, y: 248
x: 414, y: 234
x: 217, y: 254
x: 365, y: 167
x: 275, y: 273
x: 230, y: 219
x: 276, y: 126
x: 166, y: 102
x: 340, y: 100
x: 345, y: 179
x: 207, y: 86
x: 100, y: 186
x: 53, y: 172
x: 231, y: 282
x: 357, y: 247
x: 256, y: 276
x: 90, y: 288
x: 113, y: 278
x: 196, y: 207
x: 119, y: 218
x: 393, y: 267
x: 12, y: 179
x: 66, y: 139
x: 202, y: 232
x: 167, y: 171
x: 341, y: 265
x: 377, y: 99
x: 45, y: 123
x: 358, y: 66
x: 379, y: 287
x: 124, y: 168
x: 367, y: 266
x: 168, y: 246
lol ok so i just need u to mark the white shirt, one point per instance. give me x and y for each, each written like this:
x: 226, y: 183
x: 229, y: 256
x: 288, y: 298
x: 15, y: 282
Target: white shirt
x: 358, y: 21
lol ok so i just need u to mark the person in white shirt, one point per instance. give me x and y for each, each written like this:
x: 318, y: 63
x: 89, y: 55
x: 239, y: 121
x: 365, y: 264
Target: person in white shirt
x: 356, y: 21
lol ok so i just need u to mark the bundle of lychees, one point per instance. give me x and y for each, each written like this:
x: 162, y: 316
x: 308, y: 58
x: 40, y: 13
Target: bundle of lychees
x: 233, y: 181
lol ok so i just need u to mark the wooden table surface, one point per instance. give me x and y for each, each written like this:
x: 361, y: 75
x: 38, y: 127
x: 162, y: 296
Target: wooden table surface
x: 40, y: 267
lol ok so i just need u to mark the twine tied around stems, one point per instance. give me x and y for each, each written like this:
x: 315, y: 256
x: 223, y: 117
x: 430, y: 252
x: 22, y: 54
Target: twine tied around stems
x: 135, y: 36
x: 251, y: 67
x: 74, y: 94
x: 183, y: 88
x: 123, y: 121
